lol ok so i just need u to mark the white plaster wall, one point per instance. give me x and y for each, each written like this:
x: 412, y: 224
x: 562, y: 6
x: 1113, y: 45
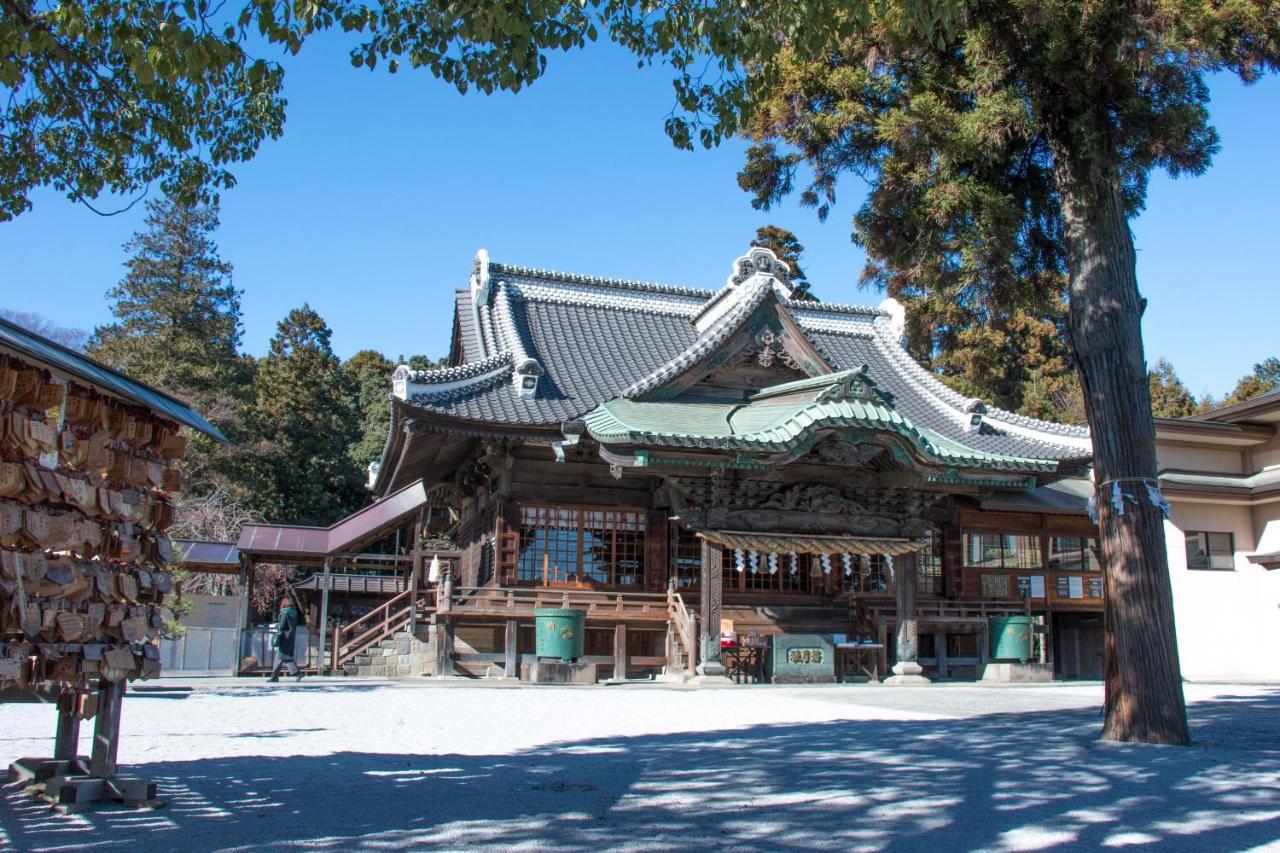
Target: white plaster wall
x: 1183, y: 458
x: 1266, y: 455
x: 1228, y: 623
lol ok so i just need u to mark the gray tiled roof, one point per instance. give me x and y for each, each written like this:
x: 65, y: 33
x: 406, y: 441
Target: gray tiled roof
x: 599, y: 339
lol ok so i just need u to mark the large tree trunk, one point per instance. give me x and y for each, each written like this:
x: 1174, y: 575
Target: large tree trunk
x: 1144, y: 700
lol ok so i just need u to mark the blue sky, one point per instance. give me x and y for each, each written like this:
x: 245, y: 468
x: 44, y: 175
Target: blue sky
x: 373, y: 203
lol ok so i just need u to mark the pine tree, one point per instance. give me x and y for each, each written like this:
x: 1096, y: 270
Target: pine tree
x: 177, y: 327
x: 306, y: 419
x: 1169, y: 397
x: 1265, y: 377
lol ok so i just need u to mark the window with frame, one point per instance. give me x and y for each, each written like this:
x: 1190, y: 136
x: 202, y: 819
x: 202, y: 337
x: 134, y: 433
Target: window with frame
x: 929, y: 564
x: 595, y: 547
x: 1002, y: 551
x: 686, y: 558
x: 1207, y: 551
x: 1073, y: 554
x: 868, y: 573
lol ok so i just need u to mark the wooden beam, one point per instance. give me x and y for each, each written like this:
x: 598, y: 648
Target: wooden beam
x: 106, y: 729
x: 66, y: 741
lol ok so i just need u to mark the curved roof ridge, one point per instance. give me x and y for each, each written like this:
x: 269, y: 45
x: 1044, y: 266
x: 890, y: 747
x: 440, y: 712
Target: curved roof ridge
x: 496, y: 269
x: 440, y: 375
x: 755, y: 293
x: 806, y: 305
x: 801, y: 423
x: 912, y: 371
x: 508, y: 334
x: 595, y: 296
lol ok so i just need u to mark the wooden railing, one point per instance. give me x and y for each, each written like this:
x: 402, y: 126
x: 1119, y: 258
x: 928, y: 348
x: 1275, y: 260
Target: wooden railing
x: 375, y: 626
x: 939, y: 609
x: 510, y: 602
x: 682, y: 635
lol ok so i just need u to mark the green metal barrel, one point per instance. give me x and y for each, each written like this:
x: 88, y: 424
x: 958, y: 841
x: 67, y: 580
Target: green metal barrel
x: 559, y: 632
x: 1010, y: 638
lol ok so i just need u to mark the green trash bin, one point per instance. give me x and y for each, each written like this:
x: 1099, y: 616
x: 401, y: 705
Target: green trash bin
x: 559, y: 632
x: 1010, y: 638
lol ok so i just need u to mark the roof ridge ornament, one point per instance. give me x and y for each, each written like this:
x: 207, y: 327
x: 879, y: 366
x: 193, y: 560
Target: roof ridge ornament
x: 855, y: 385
x: 759, y: 259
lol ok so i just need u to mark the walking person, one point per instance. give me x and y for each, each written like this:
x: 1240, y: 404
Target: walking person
x: 286, y: 635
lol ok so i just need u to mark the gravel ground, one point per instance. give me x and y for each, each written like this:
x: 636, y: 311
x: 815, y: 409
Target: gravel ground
x: 345, y: 764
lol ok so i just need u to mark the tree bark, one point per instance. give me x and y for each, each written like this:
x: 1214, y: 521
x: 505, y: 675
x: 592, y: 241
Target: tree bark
x: 1144, y: 700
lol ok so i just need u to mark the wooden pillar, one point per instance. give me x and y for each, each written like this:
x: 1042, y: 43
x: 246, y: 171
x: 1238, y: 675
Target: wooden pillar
x: 512, y: 663
x: 106, y: 729
x: 444, y: 625
x: 620, y: 651
x: 657, y: 561
x: 940, y: 651
x: 323, y: 627
x: 907, y: 670
x: 415, y: 572
x: 66, y: 741
x: 711, y: 663
x: 242, y: 618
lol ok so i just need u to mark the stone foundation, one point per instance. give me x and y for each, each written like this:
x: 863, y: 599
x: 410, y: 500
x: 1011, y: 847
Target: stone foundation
x: 557, y: 672
x: 1017, y: 673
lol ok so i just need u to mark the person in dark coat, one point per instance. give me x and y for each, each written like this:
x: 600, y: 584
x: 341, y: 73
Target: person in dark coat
x: 286, y: 635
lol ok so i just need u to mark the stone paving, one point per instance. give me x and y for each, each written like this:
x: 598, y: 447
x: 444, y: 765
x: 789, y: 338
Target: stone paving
x: 343, y: 764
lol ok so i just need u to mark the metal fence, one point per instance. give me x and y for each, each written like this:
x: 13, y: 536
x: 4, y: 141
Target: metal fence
x: 200, y: 651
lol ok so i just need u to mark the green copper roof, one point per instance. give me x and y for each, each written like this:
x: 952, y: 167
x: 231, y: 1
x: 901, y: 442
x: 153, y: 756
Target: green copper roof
x: 784, y: 417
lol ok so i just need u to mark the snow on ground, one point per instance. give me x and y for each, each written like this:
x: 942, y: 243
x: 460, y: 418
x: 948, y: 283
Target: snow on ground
x: 346, y: 764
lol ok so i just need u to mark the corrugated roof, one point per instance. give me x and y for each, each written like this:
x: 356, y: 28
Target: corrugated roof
x: 69, y: 364
x: 202, y: 555
x: 281, y: 540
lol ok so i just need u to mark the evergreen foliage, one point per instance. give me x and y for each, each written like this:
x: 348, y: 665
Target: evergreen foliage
x: 1169, y: 397
x: 307, y: 419
x: 369, y: 376
x: 177, y: 327
x: 1264, y: 378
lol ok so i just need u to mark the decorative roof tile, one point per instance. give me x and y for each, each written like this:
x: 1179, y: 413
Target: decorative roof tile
x: 596, y: 339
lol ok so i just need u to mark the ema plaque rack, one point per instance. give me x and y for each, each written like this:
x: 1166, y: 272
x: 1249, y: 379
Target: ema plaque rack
x: 86, y: 485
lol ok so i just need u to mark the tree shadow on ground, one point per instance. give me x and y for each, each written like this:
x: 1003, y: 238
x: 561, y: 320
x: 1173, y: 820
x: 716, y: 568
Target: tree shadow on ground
x: 1003, y: 781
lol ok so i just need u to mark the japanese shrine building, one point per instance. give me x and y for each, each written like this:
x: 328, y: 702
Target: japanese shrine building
x: 782, y: 462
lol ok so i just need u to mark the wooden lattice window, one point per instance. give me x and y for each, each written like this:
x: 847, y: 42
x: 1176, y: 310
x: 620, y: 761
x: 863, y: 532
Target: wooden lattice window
x: 1002, y: 551
x: 929, y: 563
x: 686, y: 558
x: 1073, y: 554
x: 592, y: 547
